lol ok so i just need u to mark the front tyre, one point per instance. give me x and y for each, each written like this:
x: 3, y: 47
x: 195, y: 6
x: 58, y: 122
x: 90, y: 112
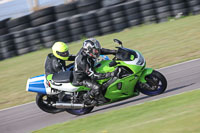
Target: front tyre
x: 45, y: 102
x: 80, y: 111
x: 156, y: 84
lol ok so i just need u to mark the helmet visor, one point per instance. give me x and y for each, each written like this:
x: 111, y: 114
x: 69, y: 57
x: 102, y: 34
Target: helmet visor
x: 63, y: 54
x: 95, y: 53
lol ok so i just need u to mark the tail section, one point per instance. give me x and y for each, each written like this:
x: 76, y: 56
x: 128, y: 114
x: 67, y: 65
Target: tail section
x: 36, y: 84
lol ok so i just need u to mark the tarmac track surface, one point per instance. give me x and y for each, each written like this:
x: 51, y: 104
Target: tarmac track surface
x: 26, y: 118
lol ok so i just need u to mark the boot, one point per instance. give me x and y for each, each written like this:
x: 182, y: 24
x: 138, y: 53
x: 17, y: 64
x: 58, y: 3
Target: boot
x: 101, y: 99
x: 89, y: 99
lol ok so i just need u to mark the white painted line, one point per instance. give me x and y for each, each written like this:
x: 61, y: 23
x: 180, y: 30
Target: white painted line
x: 16, y: 106
x: 135, y: 104
x: 181, y: 63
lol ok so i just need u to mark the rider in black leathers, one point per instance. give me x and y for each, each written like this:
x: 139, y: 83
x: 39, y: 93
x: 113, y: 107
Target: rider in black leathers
x: 84, y: 73
x: 55, y: 62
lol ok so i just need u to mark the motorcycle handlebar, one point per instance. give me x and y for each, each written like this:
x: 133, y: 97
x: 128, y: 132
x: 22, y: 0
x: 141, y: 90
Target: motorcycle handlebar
x: 113, y: 63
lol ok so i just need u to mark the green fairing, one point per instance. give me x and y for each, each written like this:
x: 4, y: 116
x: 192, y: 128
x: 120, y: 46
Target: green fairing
x: 83, y: 88
x: 103, y: 67
x: 127, y: 90
x: 134, y: 68
x: 125, y: 87
x: 114, y: 93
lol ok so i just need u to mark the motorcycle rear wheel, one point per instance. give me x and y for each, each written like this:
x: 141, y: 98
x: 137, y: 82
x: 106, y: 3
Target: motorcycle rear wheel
x: 80, y: 111
x: 156, y: 84
x: 45, y: 102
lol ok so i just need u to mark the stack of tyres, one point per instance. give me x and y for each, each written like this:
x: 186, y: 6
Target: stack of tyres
x: 179, y: 7
x: 66, y: 10
x: 7, y: 48
x: 43, y: 16
x: 194, y: 6
x: 85, y: 6
x: 118, y: 17
x: 132, y: 12
x: 104, y: 21
x: 148, y: 11
x: 34, y: 38
x: 18, y: 24
x: 76, y: 27
x: 90, y: 24
x: 48, y: 34
x: 3, y: 27
x: 163, y: 10
x: 107, y: 3
x: 21, y: 42
x: 62, y: 31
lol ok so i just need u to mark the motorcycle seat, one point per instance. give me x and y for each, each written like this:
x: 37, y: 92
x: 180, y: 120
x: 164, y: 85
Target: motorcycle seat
x: 63, y: 77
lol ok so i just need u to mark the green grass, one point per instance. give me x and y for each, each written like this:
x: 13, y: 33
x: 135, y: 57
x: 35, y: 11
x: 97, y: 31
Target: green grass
x: 161, y: 44
x: 176, y: 114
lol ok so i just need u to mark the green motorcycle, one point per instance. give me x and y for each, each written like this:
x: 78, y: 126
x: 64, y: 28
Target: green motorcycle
x: 56, y: 93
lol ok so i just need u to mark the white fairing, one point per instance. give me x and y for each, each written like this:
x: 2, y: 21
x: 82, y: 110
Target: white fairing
x: 68, y: 87
x: 139, y: 61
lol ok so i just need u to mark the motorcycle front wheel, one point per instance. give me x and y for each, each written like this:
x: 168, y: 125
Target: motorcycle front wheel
x: 156, y: 84
x: 45, y: 102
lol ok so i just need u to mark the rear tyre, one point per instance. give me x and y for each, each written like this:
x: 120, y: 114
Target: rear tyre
x: 156, y: 84
x: 45, y: 102
x: 80, y: 111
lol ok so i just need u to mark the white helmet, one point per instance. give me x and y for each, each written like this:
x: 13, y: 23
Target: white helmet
x: 92, y: 47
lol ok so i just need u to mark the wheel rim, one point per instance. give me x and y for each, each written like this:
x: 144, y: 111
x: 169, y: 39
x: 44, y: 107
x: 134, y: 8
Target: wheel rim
x: 155, y: 86
x: 45, y: 103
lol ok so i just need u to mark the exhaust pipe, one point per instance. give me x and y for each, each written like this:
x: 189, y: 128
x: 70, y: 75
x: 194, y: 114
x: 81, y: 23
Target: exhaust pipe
x: 68, y: 106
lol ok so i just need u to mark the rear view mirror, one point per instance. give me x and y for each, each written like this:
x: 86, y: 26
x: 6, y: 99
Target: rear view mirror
x: 117, y: 41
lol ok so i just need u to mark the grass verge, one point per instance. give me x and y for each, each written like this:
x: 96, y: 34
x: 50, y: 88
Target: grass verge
x: 161, y: 44
x: 176, y: 114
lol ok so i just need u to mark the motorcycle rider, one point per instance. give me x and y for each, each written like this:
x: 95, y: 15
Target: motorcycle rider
x: 55, y: 61
x: 84, y: 74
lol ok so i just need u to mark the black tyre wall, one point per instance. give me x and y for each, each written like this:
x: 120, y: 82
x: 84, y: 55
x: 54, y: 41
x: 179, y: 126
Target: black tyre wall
x: 7, y: 48
x: 193, y: 6
x: 163, y: 10
x: 84, y: 6
x: 132, y: 13
x: 179, y: 7
x: 3, y: 26
x: 148, y: 12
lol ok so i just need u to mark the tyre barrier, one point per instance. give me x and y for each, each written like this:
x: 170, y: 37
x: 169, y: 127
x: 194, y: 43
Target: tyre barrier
x: 84, y: 18
x: 104, y: 21
x: 84, y: 6
x: 66, y: 10
x: 3, y: 27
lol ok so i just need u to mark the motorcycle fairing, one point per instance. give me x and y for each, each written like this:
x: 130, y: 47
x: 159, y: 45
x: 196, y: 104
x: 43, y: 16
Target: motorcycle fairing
x: 36, y: 84
x: 146, y: 71
x: 122, y: 88
x: 67, y: 87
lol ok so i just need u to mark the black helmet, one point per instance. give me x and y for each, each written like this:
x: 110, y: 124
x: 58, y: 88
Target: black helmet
x: 92, y: 47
